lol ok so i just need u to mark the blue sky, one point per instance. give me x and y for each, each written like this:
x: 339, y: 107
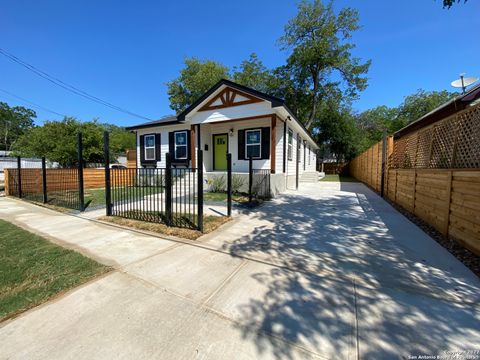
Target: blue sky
x: 125, y: 51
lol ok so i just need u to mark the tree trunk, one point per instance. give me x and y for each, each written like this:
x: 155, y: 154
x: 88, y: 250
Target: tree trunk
x: 311, y: 117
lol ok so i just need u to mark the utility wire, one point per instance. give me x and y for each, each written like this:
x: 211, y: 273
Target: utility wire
x: 32, y: 103
x: 68, y: 87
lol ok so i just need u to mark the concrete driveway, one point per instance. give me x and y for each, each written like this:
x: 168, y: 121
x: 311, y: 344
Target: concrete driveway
x: 330, y: 271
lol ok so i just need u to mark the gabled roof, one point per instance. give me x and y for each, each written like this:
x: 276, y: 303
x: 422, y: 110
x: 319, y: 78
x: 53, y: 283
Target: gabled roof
x: 180, y: 118
x: 448, y: 108
x: 274, y: 100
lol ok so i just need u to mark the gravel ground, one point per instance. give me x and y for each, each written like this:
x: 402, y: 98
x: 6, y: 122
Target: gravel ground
x: 468, y: 258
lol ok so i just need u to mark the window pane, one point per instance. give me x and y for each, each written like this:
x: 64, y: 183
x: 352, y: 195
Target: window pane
x: 150, y: 154
x: 253, y: 137
x: 149, y: 141
x: 253, y: 151
x: 181, y: 152
x: 180, y: 138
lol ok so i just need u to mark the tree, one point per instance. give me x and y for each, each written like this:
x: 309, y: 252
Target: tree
x: 417, y: 105
x: 449, y: 3
x: 14, y: 121
x: 195, y: 79
x: 338, y: 134
x: 254, y: 74
x: 318, y: 41
x: 373, y: 122
x: 44, y: 141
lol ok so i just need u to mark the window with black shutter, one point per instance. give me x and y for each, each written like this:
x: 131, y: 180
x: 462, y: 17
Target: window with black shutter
x: 253, y: 143
x: 149, y: 147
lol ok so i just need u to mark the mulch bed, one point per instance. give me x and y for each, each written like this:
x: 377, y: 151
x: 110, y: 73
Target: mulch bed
x: 468, y: 258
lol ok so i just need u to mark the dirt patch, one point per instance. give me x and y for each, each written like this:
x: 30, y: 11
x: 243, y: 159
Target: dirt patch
x: 210, y: 223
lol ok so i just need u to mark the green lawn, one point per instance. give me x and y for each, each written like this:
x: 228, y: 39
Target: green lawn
x: 32, y: 269
x: 95, y: 197
x: 217, y: 196
x: 338, y: 178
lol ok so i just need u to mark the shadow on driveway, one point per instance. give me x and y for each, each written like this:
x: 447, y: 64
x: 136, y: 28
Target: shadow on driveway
x: 352, y: 268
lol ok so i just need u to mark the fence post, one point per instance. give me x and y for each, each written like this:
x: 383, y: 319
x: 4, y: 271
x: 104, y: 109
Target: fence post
x: 384, y: 155
x: 80, y: 171
x: 168, y: 189
x: 229, y: 184
x: 200, y: 189
x: 250, y: 178
x: 19, y: 176
x: 44, y: 181
x: 106, y: 156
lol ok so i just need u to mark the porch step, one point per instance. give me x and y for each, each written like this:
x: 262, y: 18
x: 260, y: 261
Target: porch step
x: 310, y: 177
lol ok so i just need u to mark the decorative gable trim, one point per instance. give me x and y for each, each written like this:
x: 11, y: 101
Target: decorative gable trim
x: 229, y: 97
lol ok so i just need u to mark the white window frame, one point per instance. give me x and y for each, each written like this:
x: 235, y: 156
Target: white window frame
x: 309, y: 154
x: 290, y: 145
x: 255, y: 144
x: 175, y: 144
x: 149, y: 147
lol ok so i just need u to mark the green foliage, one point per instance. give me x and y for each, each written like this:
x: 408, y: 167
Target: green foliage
x: 321, y: 54
x: 254, y: 74
x: 195, y: 79
x: 57, y: 141
x: 14, y: 122
x: 418, y: 104
x: 237, y: 182
x: 449, y: 3
x: 217, y: 184
x: 372, y: 123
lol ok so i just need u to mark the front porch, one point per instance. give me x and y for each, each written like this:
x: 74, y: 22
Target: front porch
x: 241, y: 138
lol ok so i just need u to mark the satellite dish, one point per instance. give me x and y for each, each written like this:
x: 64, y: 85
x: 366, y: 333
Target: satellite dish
x: 463, y: 82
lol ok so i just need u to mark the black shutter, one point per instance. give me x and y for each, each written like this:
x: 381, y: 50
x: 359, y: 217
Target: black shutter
x: 241, y: 144
x: 158, y: 143
x: 142, y: 149
x: 189, y: 144
x: 266, y: 143
x: 171, y: 147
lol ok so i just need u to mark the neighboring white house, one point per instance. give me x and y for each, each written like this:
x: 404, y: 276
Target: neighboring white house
x: 231, y: 118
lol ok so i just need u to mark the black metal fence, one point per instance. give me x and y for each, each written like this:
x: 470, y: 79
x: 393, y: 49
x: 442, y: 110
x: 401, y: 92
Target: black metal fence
x: 54, y: 184
x: 33, y: 181
x: 258, y: 183
x: 142, y: 194
x: 170, y: 195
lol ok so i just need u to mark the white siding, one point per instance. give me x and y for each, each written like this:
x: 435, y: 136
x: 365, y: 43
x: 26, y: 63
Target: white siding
x: 279, y: 147
x: 230, y: 113
x: 163, y: 130
x: 238, y: 165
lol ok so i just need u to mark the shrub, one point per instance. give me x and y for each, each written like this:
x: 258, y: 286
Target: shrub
x: 217, y: 184
x: 237, y: 182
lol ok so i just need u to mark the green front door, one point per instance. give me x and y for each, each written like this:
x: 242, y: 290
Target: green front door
x: 220, y: 148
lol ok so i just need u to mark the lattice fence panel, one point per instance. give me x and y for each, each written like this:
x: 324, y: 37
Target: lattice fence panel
x: 423, y: 148
x: 443, y: 144
x: 399, y: 153
x: 410, y: 151
x: 467, y: 154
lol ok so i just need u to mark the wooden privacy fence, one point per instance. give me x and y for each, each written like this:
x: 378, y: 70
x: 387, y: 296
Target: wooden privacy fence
x: 59, y: 179
x: 433, y: 173
x: 367, y: 167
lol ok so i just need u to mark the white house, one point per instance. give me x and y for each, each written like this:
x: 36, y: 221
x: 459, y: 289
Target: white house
x: 231, y: 118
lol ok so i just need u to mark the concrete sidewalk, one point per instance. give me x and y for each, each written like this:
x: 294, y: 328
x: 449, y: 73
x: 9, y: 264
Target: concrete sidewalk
x: 330, y: 271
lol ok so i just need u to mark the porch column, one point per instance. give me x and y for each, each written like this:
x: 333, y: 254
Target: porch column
x: 192, y: 146
x: 273, y: 143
